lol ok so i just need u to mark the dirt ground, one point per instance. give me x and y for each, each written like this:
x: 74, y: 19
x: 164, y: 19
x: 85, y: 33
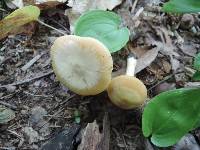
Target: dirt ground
x: 44, y: 107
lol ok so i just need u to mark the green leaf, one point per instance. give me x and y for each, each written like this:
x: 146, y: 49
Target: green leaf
x: 196, y: 76
x: 104, y: 26
x: 170, y: 115
x: 17, y: 19
x: 6, y: 114
x: 182, y: 6
x: 77, y: 116
x: 197, y: 62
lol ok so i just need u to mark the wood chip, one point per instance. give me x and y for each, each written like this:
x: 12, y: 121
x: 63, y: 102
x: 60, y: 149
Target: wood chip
x: 32, y: 61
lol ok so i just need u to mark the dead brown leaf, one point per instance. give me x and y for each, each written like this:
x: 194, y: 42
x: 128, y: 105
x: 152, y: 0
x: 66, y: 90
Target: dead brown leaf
x: 84, y: 5
x: 14, y: 22
x: 10, y: 26
x: 188, y: 49
x: 166, y: 66
x: 92, y: 139
x: 146, y: 59
x: 138, y: 51
x: 79, y: 7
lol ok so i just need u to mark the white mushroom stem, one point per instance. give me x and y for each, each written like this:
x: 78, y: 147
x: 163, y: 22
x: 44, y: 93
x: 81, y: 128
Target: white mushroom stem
x: 131, y: 64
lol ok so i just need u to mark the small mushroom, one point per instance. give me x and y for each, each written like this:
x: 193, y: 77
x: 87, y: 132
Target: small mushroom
x: 126, y: 91
x: 82, y: 64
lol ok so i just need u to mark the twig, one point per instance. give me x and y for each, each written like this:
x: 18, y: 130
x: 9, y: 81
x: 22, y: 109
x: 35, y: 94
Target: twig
x: 134, y: 6
x: 17, y: 135
x: 8, y: 105
x: 137, y: 14
x: 165, y: 79
x: 3, y: 61
x: 35, y: 95
x: 32, y: 61
x: 68, y: 32
x: 130, y: 2
x: 50, y: 27
x: 1, y: 9
x: 6, y: 148
x: 54, y: 115
x: 8, y: 96
x: 68, y: 99
x: 14, y: 133
x: 27, y: 80
x: 124, y: 141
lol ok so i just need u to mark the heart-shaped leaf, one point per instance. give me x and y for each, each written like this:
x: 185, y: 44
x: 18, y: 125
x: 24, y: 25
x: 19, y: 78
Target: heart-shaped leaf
x: 170, y: 115
x: 197, y: 62
x: 182, y: 6
x: 196, y: 76
x: 6, y: 114
x: 17, y: 19
x: 104, y: 26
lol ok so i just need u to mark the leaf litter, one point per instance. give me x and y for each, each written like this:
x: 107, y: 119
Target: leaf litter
x: 165, y: 51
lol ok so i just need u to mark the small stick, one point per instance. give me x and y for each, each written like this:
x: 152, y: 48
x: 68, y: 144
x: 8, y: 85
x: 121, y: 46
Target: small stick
x: 165, y: 79
x: 32, y: 61
x: 8, y: 105
x: 137, y: 14
x: 8, y: 96
x: 134, y: 6
x: 35, y: 95
x: 14, y: 133
x: 68, y: 32
x: 124, y: 141
x: 54, y: 115
x: 50, y: 27
x: 1, y: 9
x: 27, y: 80
x: 130, y: 2
x: 6, y: 148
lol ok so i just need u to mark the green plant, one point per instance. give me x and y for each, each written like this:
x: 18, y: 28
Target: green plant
x: 170, y: 115
x: 182, y: 6
x: 196, y: 75
x: 105, y: 27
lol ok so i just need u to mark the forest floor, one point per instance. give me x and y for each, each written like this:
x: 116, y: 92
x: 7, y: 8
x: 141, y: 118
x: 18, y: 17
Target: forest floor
x: 165, y: 45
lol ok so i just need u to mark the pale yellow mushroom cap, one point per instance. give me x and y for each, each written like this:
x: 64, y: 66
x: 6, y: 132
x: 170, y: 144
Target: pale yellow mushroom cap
x: 127, y: 92
x: 82, y: 64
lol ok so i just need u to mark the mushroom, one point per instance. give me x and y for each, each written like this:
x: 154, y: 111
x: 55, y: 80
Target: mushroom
x: 127, y: 91
x: 83, y: 64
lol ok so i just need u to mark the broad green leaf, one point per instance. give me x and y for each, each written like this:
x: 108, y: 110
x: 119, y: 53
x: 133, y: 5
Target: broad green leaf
x: 6, y: 114
x: 182, y: 6
x: 104, y: 26
x: 196, y: 76
x: 170, y: 115
x: 197, y: 62
x: 17, y: 19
